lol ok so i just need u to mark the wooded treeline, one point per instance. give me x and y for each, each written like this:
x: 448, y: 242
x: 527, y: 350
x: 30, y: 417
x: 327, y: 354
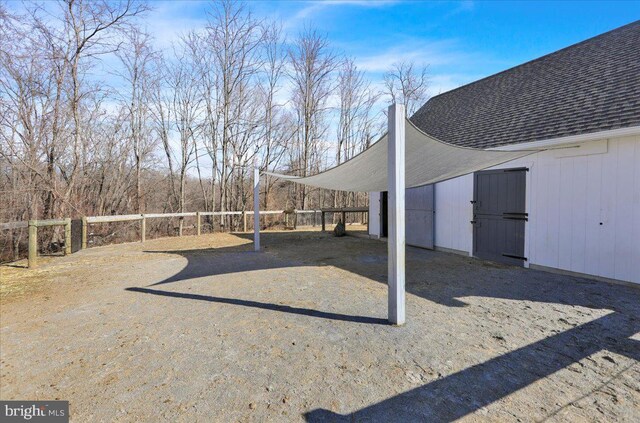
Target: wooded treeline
x: 95, y: 120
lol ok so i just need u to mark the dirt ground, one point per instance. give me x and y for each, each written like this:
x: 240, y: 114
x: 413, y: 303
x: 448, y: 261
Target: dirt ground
x: 204, y: 329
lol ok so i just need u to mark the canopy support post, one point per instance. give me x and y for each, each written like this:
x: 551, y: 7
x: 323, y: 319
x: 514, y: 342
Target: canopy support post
x: 396, y: 213
x: 256, y: 208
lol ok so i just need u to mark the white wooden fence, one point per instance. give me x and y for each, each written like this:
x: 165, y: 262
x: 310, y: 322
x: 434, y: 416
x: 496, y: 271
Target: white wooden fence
x: 33, y: 225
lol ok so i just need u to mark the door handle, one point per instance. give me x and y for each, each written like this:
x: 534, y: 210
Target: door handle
x: 513, y: 256
x: 516, y: 216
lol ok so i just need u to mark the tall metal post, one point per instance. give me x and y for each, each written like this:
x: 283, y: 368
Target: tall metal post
x: 396, y: 213
x: 256, y: 208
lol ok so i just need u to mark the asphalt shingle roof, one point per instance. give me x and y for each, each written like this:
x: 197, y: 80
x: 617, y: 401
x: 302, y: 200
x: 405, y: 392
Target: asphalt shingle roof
x: 588, y: 87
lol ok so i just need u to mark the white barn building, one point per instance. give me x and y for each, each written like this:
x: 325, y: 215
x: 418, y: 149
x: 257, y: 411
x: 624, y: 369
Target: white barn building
x: 572, y: 208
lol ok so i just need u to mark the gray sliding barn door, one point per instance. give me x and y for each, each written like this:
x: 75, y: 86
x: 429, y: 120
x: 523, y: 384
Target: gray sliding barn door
x: 499, y: 215
x: 419, y: 216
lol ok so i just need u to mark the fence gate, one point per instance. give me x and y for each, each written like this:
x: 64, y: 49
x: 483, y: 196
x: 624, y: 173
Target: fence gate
x: 499, y: 215
x: 76, y: 235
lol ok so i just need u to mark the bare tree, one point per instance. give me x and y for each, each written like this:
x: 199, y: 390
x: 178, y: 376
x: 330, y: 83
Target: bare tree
x: 407, y: 83
x: 203, y: 59
x: 140, y: 65
x: 312, y: 66
x: 74, y: 142
x: 356, y: 121
x: 162, y: 112
x: 277, y: 131
x: 235, y: 37
x: 185, y: 106
x: 32, y: 96
x: 90, y: 27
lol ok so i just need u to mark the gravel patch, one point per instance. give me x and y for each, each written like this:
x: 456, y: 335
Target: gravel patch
x: 205, y: 329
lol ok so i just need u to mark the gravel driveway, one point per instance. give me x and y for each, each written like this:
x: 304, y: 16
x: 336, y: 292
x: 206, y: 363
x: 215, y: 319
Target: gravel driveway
x: 204, y: 329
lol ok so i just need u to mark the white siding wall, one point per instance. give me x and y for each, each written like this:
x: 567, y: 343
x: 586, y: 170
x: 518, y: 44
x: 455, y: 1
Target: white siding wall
x: 568, y: 195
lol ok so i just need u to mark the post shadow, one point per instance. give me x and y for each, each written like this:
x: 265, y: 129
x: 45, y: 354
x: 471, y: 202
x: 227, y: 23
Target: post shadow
x: 264, y: 306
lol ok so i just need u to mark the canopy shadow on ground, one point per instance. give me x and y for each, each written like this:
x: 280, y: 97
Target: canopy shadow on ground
x: 466, y: 391
x: 427, y: 274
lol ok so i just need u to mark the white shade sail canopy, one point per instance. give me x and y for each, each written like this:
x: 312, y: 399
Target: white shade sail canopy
x: 427, y: 161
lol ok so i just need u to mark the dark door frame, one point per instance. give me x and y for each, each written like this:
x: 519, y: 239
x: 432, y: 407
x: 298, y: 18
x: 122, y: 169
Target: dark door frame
x: 384, y: 215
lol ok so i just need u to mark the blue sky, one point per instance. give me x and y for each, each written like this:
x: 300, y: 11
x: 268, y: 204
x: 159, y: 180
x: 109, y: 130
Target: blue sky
x: 460, y: 41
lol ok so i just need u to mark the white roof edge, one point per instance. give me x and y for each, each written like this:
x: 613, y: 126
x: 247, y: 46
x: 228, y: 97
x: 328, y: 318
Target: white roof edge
x: 592, y: 136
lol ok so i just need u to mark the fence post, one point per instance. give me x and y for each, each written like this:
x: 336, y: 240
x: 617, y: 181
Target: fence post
x: 181, y: 219
x: 256, y: 209
x: 322, y: 220
x: 33, y: 244
x: 143, y: 229
x: 67, y: 236
x: 84, y: 232
x: 198, y: 223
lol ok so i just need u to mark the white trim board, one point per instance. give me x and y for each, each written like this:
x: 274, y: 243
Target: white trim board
x: 573, y: 139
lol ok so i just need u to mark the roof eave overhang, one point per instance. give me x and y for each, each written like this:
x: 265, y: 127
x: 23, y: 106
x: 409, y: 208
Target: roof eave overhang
x: 573, y: 139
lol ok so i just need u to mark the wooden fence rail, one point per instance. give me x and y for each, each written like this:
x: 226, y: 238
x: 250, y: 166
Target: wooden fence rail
x: 33, y: 225
x: 13, y: 225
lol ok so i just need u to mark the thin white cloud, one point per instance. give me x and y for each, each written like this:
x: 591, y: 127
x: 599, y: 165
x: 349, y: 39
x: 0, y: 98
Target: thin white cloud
x: 432, y: 53
x: 462, y: 7
x: 450, y: 65
x: 316, y: 6
x: 170, y: 20
x: 313, y: 8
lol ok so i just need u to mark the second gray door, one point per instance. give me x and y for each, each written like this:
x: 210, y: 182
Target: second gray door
x: 419, y: 216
